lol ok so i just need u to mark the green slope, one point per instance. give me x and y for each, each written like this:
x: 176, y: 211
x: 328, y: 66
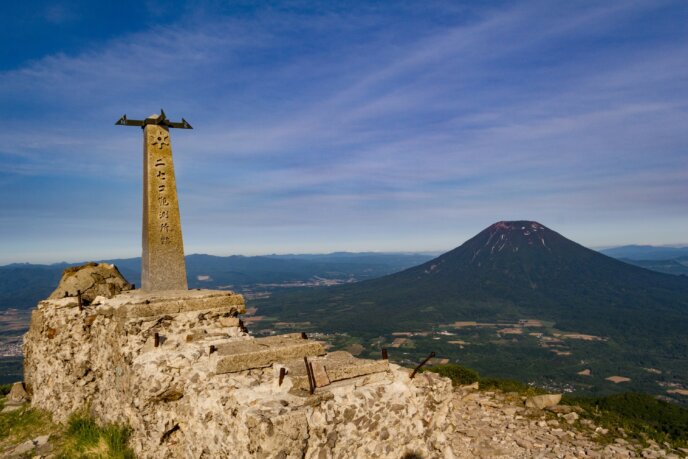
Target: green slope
x: 511, y: 271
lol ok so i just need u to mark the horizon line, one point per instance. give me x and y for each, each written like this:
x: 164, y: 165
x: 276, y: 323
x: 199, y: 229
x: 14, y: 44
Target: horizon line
x: 283, y: 254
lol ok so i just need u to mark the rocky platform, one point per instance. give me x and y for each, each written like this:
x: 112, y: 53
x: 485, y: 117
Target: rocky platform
x: 180, y: 369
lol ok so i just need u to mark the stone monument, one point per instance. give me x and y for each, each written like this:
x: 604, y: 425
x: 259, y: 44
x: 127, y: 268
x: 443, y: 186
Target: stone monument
x: 162, y: 258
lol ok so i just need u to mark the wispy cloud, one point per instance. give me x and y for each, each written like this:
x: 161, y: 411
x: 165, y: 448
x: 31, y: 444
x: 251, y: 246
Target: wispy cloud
x: 419, y: 124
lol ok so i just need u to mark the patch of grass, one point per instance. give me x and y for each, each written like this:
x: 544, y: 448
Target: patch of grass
x: 640, y: 416
x: 23, y: 424
x: 82, y: 432
x: 459, y: 375
x: 5, y: 389
x: 82, y: 438
x: 510, y: 385
x: 86, y: 439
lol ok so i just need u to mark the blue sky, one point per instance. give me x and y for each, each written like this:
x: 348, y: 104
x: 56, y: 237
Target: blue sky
x: 322, y: 126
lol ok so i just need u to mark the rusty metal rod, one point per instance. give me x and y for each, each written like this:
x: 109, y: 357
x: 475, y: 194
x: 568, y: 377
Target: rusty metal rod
x: 310, y: 365
x: 432, y: 354
x: 78, y: 298
x: 304, y: 335
x: 309, y: 373
x: 384, y: 353
x: 156, y: 339
x: 283, y: 371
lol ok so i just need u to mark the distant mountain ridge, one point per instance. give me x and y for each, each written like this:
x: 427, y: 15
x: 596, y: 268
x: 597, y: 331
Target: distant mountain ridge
x: 646, y: 252
x: 669, y: 260
x: 508, y: 271
x: 22, y: 285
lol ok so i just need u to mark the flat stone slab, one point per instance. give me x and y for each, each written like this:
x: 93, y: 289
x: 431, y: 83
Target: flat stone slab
x: 337, y: 366
x: 320, y: 375
x: 263, y: 352
x: 137, y: 303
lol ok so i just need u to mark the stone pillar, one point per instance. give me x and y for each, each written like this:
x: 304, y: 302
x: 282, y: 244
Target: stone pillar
x: 162, y: 262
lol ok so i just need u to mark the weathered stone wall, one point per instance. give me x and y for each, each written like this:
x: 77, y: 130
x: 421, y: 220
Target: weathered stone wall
x: 178, y: 404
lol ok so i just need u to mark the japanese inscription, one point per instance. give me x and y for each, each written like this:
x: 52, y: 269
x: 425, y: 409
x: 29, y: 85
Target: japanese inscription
x: 163, y: 215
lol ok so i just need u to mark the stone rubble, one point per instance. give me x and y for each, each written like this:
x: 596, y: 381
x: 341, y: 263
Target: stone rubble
x: 496, y: 425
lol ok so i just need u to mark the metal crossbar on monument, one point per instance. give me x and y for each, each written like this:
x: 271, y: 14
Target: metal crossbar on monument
x: 161, y: 120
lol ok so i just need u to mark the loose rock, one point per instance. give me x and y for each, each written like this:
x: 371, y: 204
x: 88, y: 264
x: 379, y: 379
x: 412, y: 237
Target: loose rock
x: 92, y: 280
x: 543, y: 401
x: 17, y: 393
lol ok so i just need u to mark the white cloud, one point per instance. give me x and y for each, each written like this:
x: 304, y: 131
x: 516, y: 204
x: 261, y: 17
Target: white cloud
x: 319, y: 123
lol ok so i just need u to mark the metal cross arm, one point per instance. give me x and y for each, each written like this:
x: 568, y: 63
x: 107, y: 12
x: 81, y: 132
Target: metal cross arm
x: 159, y: 120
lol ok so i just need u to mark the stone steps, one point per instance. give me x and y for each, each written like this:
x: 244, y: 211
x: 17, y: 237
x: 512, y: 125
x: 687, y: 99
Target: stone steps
x: 262, y: 352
